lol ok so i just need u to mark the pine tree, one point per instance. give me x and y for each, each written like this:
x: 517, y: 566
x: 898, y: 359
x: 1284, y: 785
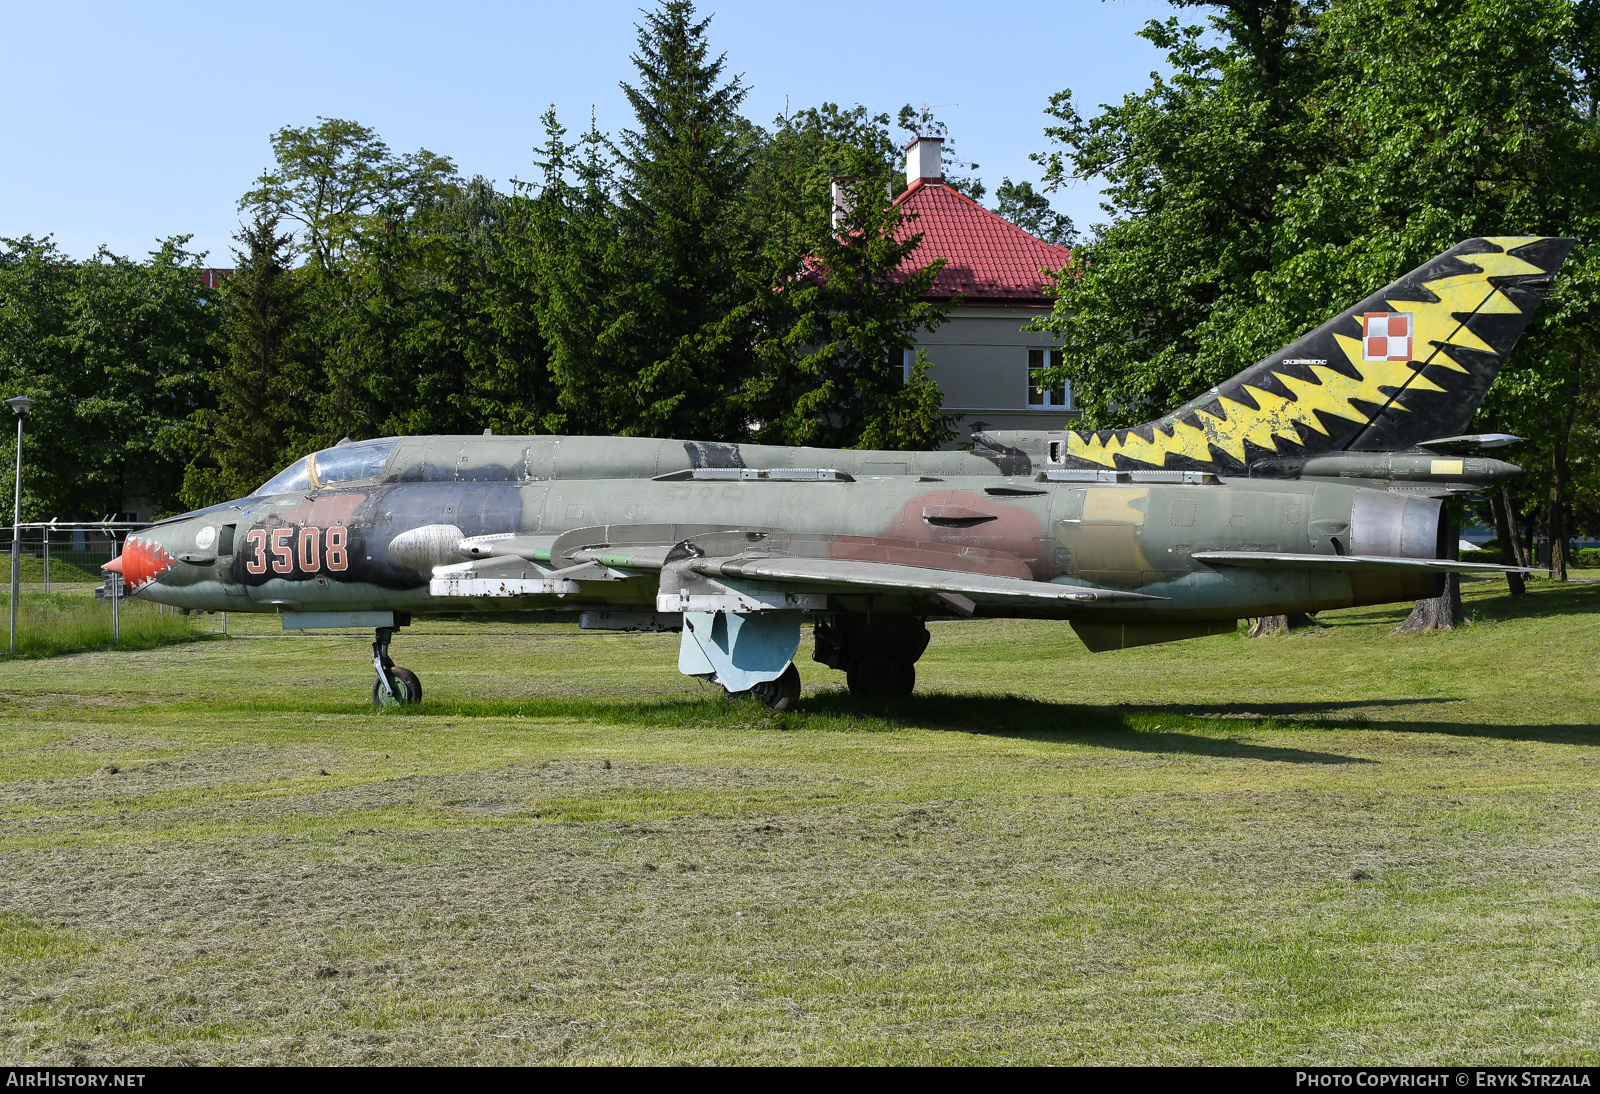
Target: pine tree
x: 260, y: 384
x: 561, y: 255
x: 849, y: 315
x: 685, y: 344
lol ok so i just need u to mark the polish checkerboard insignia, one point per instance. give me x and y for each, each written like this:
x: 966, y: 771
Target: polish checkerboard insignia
x: 1386, y: 336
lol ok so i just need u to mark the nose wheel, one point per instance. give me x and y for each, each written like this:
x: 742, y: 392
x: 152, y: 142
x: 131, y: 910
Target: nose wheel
x: 395, y: 686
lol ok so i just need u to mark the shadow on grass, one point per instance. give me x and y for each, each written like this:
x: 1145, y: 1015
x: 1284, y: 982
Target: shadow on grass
x: 1552, y: 733
x: 1131, y: 729
x: 1544, y: 599
x: 1216, y: 721
x: 1125, y: 728
x: 1247, y: 711
x: 1199, y: 729
x: 1347, y: 715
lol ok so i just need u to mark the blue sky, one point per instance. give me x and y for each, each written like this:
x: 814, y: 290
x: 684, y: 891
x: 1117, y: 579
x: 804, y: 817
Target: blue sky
x: 125, y: 123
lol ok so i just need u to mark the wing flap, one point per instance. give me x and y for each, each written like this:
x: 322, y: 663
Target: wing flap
x: 1260, y: 560
x: 848, y: 576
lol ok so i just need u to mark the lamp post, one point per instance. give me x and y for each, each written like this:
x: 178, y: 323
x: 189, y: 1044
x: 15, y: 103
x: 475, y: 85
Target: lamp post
x: 21, y: 404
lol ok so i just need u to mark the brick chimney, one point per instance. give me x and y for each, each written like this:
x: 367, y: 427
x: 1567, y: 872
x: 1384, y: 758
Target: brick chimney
x: 925, y: 160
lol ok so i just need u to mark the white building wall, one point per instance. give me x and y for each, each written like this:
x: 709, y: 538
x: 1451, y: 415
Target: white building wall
x: 980, y: 361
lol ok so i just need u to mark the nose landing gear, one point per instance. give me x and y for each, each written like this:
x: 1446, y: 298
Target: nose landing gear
x: 395, y: 686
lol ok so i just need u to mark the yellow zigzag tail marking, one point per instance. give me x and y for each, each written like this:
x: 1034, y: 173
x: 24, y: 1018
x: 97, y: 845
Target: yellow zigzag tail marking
x: 1277, y: 416
x: 1511, y: 243
x: 1462, y: 293
x: 1336, y: 390
x: 1332, y: 393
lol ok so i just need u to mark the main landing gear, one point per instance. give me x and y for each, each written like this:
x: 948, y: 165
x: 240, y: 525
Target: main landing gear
x: 395, y: 686
x: 878, y: 656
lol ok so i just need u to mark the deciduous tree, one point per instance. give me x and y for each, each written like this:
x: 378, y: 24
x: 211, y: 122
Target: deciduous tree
x: 118, y: 354
x: 330, y: 177
x: 1030, y: 210
x: 1305, y: 154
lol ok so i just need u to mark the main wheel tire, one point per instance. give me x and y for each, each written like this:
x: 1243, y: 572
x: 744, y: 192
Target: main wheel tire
x: 410, y: 689
x: 881, y: 675
x: 781, y: 694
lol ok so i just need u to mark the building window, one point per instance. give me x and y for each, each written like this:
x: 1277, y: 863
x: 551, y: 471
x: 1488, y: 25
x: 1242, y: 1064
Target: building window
x: 1039, y: 395
x: 908, y: 361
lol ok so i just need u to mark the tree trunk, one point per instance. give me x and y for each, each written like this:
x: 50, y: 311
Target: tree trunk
x: 1523, y: 539
x: 1440, y: 613
x: 1558, y: 537
x: 1505, y: 529
x: 1280, y: 624
x: 1556, y: 518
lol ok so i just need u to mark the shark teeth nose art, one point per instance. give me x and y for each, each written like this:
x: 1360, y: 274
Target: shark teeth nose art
x: 141, y: 562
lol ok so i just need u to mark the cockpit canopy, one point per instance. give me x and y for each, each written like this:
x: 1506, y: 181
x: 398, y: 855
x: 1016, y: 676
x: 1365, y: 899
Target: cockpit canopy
x: 342, y: 463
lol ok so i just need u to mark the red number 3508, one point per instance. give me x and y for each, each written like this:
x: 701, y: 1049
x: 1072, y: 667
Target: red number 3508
x: 312, y: 548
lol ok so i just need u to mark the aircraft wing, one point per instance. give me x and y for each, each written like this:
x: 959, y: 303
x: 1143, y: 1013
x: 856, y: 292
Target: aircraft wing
x: 1262, y: 560
x: 763, y: 579
x: 709, y: 552
x: 859, y: 577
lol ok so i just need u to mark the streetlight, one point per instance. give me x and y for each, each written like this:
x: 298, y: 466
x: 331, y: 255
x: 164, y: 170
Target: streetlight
x: 21, y: 404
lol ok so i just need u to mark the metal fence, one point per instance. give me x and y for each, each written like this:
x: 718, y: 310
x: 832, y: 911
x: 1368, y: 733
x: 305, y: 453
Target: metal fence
x: 65, y: 553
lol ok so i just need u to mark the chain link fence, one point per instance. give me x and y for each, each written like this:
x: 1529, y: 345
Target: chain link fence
x: 59, y: 601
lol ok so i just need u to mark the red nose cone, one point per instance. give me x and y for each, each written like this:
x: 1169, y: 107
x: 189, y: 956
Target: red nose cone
x: 141, y: 562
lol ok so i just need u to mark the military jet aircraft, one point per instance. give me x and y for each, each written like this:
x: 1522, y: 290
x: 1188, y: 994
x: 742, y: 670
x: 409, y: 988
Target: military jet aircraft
x: 1310, y: 481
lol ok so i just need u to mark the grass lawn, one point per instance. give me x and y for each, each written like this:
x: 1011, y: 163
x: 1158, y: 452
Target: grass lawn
x: 69, y: 619
x: 1335, y: 846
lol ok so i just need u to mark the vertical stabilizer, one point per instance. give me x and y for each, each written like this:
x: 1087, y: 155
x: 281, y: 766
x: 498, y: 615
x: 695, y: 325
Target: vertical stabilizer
x: 1408, y: 364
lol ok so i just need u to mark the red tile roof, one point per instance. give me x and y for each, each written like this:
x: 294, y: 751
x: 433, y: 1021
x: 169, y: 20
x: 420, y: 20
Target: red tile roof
x: 989, y: 260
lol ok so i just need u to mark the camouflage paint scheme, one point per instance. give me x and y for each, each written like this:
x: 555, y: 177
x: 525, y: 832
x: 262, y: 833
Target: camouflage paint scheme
x: 1310, y: 481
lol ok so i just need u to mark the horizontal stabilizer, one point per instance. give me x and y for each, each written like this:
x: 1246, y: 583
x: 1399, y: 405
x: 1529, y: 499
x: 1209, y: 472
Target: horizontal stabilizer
x: 1260, y: 560
x: 1472, y: 442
